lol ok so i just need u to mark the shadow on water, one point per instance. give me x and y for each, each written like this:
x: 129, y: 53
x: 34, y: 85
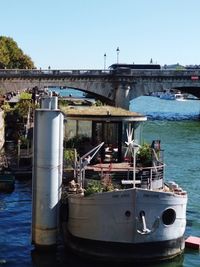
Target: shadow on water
x: 63, y: 257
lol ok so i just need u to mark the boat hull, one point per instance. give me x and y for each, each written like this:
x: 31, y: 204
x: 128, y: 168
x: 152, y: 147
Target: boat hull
x: 124, y: 252
x: 127, y: 225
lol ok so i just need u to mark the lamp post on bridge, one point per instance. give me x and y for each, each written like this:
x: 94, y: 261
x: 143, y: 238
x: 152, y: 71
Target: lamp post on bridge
x: 117, y: 50
x: 104, y: 61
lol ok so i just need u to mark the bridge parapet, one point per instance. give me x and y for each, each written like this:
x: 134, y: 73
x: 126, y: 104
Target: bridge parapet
x: 157, y: 73
x: 10, y: 73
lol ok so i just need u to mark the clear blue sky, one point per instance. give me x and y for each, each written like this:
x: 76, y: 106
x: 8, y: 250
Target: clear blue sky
x: 75, y: 34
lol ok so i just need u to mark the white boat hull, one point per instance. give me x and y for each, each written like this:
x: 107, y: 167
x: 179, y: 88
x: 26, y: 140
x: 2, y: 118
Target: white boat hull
x: 127, y: 224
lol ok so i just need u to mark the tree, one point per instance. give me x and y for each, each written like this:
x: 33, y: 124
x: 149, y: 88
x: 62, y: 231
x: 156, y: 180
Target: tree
x: 12, y: 57
x: 4, y: 56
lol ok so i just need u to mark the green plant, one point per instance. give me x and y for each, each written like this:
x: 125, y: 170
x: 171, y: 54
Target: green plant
x: 76, y: 141
x: 24, y: 142
x: 25, y: 96
x: 62, y: 103
x: 22, y: 107
x: 6, y: 107
x: 97, y: 186
x: 107, y: 183
x: 144, y: 155
x: 93, y: 187
x: 69, y: 157
x: 82, y: 144
x: 98, y: 103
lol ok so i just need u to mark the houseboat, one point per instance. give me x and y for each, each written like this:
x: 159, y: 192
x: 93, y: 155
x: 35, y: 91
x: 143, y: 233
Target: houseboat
x: 116, y: 205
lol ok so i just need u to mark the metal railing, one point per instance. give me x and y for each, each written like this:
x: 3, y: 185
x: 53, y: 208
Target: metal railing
x: 146, y: 177
x: 10, y: 73
x: 49, y: 72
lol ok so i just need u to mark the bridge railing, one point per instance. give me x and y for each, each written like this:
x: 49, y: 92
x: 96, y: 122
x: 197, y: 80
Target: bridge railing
x: 156, y: 72
x: 12, y: 73
x: 49, y: 72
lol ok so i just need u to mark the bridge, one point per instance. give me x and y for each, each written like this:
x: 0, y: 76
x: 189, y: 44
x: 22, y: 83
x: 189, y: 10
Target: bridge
x: 114, y: 87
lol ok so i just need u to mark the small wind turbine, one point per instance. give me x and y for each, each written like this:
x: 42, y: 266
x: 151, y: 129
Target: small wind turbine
x: 132, y: 148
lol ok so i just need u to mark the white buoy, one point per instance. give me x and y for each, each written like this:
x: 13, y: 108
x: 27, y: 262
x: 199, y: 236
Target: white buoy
x: 47, y: 176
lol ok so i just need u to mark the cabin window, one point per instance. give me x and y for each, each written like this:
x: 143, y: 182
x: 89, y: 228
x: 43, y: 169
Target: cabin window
x: 78, y: 135
x: 111, y: 142
x: 84, y: 128
x: 78, y: 128
x: 109, y: 133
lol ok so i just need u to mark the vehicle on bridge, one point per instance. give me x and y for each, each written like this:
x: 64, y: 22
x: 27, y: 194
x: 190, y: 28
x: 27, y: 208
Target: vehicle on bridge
x: 127, y: 68
x: 135, y: 66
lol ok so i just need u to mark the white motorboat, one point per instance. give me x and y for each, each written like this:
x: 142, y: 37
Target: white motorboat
x: 170, y: 95
x: 179, y: 97
x: 118, y: 206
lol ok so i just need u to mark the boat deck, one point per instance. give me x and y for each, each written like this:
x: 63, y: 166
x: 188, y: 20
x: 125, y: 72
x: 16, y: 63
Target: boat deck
x: 114, y: 167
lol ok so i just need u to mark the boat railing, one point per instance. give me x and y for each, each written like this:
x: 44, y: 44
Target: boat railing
x: 145, y: 177
x: 152, y: 177
x: 126, y: 173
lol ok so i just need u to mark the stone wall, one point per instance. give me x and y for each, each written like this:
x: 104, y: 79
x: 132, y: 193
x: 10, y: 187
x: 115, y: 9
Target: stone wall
x: 1, y: 129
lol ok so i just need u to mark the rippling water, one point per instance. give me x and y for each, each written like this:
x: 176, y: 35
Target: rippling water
x: 157, y: 108
x: 180, y: 140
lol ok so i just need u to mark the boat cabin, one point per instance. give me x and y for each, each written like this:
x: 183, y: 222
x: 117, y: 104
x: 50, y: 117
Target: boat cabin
x: 105, y: 141
x: 107, y: 124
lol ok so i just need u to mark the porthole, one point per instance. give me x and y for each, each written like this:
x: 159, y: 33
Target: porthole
x: 127, y: 213
x: 169, y: 216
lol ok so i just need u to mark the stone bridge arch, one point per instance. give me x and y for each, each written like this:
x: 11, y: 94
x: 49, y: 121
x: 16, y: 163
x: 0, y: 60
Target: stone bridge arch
x: 104, y: 91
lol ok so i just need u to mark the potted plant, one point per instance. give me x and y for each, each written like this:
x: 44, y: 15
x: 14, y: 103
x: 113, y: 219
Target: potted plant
x: 144, y: 155
x: 69, y: 157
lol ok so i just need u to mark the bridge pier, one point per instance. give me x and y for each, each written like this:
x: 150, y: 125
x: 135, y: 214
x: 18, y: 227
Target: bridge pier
x: 122, y: 96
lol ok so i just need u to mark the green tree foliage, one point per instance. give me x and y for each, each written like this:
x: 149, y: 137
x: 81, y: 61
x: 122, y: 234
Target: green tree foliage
x: 12, y: 57
x: 25, y: 96
x: 25, y: 105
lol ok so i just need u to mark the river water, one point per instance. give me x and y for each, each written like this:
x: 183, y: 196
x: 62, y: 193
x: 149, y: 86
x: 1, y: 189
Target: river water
x: 175, y: 124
